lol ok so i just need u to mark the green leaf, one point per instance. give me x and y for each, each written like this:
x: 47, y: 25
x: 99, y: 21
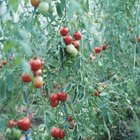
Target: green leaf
x: 14, y: 4
x: 2, y: 88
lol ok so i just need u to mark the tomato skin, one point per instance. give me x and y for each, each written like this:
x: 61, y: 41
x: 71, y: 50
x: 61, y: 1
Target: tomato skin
x: 38, y: 82
x: 4, y: 62
x: 55, y: 132
x: 96, y: 93
x: 54, y: 104
x: 104, y: 47
x: 53, y: 97
x: 16, y: 133
x: 25, y: 77
x: 24, y: 124
x: 62, y: 134
x: 62, y: 96
x: 64, y: 31
x: 77, y: 35
x: 35, y: 64
x: 35, y: 3
x: 70, y: 119
x: 12, y: 123
x: 67, y: 39
x: 97, y: 49
x: 76, y: 43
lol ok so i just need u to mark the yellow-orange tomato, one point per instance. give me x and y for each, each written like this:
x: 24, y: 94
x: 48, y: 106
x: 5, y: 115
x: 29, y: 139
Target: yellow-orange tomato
x: 35, y: 3
x: 38, y: 82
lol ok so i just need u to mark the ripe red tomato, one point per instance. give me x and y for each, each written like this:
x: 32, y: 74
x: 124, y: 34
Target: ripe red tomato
x: 35, y: 64
x: 76, y: 43
x: 39, y: 72
x: 53, y: 97
x: 38, y: 82
x: 96, y: 93
x: 67, y: 39
x: 77, y: 35
x: 62, y: 134
x: 72, y: 125
x: 35, y: 3
x: 54, y: 104
x: 70, y: 119
x: 138, y: 39
x: 55, y: 132
x: 64, y: 31
x: 4, y: 62
x: 12, y: 123
x: 104, y: 47
x: 25, y: 77
x: 62, y: 96
x: 24, y: 124
x: 97, y: 49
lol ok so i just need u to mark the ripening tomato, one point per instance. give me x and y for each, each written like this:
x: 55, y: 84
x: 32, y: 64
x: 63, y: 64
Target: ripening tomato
x: 55, y: 132
x: 64, y: 31
x: 104, y: 47
x: 96, y: 93
x: 53, y: 97
x: 97, y: 49
x: 76, y: 43
x: 62, y: 134
x: 25, y: 77
x: 24, y: 124
x: 39, y: 72
x: 138, y: 39
x: 62, y: 96
x: 38, y: 82
x: 72, y: 125
x: 4, y: 62
x: 12, y: 123
x: 67, y: 39
x: 35, y: 3
x: 54, y: 104
x: 77, y: 35
x: 35, y: 64
x: 70, y: 119
x: 43, y: 8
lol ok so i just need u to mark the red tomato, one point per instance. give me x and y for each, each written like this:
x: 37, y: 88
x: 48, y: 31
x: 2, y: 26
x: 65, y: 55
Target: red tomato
x: 55, y: 132
x: 64, y: 31
x: 54, y: 104
x: 53, y: 97
x: 72, y: 125
x: 25, y: 77
x: 76, y: 43
x: 104, y: 47
x: 62, y: 134
x: 24, y: 124
x: 35, y: 3
x: 138, y: 39
x: 4, y: 62
x: 35, y: 64
x: 70, y: 119
x: 38, y: 82
x: 39, y: 72
x: 12, y: 123
x: 96, y: 93
x: 62, y: 96
x: 97, y: 49
x: 77, y: 35
x: 67, y: 39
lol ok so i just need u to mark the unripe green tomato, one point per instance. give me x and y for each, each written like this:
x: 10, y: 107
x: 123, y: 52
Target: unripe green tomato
x: 91, y: 89
x: 16, y: 133
x: 71, y: 50
x: 8, y: 132
x: 43, y: 8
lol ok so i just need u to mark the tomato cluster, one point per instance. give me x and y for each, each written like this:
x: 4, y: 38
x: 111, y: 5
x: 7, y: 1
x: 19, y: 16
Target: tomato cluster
x: 57, y: 133
x: 70, y: 120
x: 98, y: 49
x: 55, y: 98
x: 72, y: 45
x: 36, y: 65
